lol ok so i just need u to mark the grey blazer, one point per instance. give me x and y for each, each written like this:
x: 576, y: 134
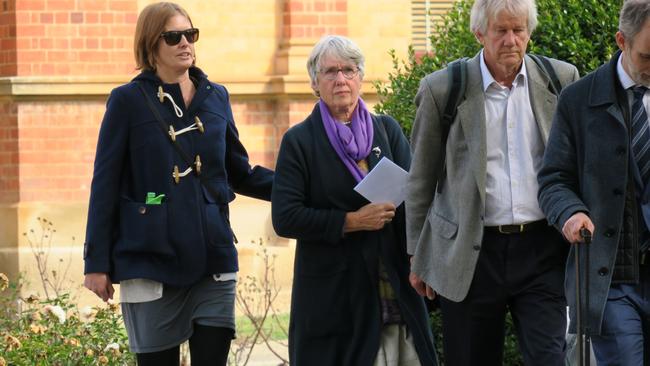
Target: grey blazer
x: 445, y: 225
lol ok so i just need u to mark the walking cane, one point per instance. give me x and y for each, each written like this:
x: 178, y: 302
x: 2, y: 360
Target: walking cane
x: 584, y: 342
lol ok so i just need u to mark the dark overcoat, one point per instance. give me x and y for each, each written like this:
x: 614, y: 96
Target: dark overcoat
x: 335, y: 310
x: 187, y: 235
x: 586, y: 168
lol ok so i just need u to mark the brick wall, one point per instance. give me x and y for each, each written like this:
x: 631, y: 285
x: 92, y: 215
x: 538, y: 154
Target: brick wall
x: 68, y: 37
x: 7, y: 37
x: 255, y: 123
x: 57, y: 149
x: 314, y: 18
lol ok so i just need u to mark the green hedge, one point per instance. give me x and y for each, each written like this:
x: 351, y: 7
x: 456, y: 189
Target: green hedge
x: 578, y: 31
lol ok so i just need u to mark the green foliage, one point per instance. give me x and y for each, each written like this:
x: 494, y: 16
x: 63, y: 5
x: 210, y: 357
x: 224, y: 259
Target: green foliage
x: 276, y: 327
x: 55, y: 332
x: 578, y: 31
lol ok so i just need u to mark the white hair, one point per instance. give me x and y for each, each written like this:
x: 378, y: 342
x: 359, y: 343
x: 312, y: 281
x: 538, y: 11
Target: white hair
x: 336, y: 46
x: 485, y: 10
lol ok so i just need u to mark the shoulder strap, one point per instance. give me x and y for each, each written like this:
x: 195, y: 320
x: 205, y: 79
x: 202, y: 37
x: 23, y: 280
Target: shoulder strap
x: 164, y: 127
x: 545, y: 65
x: 457, y: 76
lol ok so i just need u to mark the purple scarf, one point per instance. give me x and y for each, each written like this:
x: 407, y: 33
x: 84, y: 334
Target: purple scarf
x: 351, y: 143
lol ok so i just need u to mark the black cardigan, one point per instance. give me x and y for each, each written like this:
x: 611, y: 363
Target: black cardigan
x: 335, y: 310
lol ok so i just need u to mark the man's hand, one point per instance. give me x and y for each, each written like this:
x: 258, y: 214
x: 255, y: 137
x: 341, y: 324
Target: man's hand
x: 100, y: 284
x: 420, y: 286
x: 572, y: 226
x: 370, y: 217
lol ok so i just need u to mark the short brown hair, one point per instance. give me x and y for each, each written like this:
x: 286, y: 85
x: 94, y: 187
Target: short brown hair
x: 151, y: 23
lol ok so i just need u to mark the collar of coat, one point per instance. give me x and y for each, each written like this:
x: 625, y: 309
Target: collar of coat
x: 150, y: 75
x: 599, y: 95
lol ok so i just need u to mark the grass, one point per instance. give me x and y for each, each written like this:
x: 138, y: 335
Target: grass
x: 275, y: 326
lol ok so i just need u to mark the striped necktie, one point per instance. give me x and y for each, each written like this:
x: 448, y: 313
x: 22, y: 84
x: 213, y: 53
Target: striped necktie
x: 641, y: 134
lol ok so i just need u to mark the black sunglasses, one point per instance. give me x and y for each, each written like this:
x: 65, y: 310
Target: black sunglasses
x: 172, y: 38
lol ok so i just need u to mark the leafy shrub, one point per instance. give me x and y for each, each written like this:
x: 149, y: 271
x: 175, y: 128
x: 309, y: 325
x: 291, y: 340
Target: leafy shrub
x: 55, y: 332
x: 578, y: 31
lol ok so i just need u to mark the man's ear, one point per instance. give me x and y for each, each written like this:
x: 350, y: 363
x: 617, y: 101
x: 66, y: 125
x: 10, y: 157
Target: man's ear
x: 479, y: 37
x: 620, y: 41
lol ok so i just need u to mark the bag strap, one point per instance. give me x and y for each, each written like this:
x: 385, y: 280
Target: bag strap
x: 544, y: 64
x: 457, y: 81
x: 457, y: 75
x: 164, y: 127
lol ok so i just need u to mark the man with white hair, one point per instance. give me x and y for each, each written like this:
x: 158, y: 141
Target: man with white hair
x: 596, y: 176
x: 474, y: 226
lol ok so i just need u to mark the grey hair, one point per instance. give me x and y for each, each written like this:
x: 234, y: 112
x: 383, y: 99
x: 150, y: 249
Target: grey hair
x: 484, y: 10
x: 634, y: 14
x: 336, y: 46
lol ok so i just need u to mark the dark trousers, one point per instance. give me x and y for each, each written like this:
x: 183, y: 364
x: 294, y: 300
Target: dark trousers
x: 209, y: 346
x: 626, y: 321
x: 521, y: 273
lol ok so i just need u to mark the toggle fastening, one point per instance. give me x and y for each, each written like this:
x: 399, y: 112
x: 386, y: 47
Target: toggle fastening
x: 197, y: 165
x: 177, y: 175
x: 197, y: 125
x: 161, y: 97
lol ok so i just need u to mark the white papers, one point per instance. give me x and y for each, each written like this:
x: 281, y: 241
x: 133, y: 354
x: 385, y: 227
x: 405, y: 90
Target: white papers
x: 386, y: 182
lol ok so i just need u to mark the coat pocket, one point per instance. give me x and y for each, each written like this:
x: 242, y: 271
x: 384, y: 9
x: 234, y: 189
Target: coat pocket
x: 442, y: 226
x: 143, y: 229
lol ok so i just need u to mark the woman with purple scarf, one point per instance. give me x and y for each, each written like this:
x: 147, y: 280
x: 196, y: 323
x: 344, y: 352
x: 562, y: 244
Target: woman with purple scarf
x: 351, y: 302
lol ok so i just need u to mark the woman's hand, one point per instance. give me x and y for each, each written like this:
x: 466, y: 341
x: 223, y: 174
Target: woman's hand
x: 100, y: 284
x: 370, y: 217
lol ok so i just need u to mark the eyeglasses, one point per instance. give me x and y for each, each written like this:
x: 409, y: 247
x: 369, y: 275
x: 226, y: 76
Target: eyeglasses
x: 172, y: 38
x: 333, y: 72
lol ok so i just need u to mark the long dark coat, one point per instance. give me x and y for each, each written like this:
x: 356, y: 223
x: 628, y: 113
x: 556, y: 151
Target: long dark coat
x: 335, y: 311
x: 586, y: 167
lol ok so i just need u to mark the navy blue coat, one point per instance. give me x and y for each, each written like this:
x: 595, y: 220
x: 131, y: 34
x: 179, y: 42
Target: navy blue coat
x: 585, y: 169
x: 188, y: 235
x: 335, y: 310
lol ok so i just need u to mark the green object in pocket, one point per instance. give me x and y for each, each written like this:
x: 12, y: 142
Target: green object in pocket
x: 152, y: 199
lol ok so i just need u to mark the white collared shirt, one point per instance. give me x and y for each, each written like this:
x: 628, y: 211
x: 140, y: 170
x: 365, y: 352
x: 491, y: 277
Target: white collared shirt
x: 627, y: 83
x: 514, y: 151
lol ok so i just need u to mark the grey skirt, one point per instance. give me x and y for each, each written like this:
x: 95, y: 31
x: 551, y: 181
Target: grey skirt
x: 169, y: 321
